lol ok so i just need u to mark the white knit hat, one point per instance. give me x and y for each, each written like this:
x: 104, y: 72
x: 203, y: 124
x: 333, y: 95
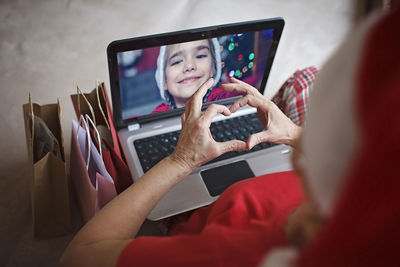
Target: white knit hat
x: 160, y: 72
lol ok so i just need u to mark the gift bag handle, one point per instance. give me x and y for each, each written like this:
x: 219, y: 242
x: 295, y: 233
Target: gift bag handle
x: 86, y: 121
x: 100, y: 108
x: 79, y: 92
x: 31, y: 117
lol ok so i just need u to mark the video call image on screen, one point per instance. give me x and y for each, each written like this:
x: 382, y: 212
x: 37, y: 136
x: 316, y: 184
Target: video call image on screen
x: 160, y: 79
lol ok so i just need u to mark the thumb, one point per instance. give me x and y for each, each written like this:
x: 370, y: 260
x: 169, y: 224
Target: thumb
x: 232, y: 145
x: 183, y: 118
x: 258, y: 138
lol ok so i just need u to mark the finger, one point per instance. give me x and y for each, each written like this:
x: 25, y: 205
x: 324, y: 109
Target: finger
x: 233, y: 87
x: 250, y: 100
x: 193, y: 105
x: 213, y: 110
x: 234, y: 80
x: 232, y: 145
x: 183, y: 118
x: 257, y: 138
x: 239, y: 86
x: 250, y: 89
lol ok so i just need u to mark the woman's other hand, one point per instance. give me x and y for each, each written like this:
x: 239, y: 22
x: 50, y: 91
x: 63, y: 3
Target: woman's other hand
x: 278, y: 128
x: 303, y: 224
x: 196, y: 145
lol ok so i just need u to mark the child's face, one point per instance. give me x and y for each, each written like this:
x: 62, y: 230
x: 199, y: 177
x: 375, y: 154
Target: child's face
x: 189, y: 65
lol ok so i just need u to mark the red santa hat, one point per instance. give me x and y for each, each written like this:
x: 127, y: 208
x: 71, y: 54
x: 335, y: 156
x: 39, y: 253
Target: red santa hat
x: 363, y: 207
x: 351, y: 148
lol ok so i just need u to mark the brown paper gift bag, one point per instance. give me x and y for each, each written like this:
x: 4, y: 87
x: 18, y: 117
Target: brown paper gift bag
x: 48, y: 181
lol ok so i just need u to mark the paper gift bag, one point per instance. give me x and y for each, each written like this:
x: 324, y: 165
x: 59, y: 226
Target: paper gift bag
x: 48, y: 180
x: 93, y: 185
x: 96, y: 104
x: 124, y: 175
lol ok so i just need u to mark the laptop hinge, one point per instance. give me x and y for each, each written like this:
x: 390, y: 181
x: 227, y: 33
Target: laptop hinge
x: 133, y: 127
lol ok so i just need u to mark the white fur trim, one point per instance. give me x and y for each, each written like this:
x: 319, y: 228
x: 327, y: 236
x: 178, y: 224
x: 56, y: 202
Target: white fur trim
x: 331, y: 133
x: 279, y: 257
x: 217, y: 56
x: 160, y: 71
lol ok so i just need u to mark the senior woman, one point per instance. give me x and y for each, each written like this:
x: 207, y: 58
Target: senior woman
x: 347, y: 160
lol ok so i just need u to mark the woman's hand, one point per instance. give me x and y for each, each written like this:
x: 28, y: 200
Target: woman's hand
x: 303, y: 224
x: 196, y: 144
x: 278, y: 128
x: 99, y: 242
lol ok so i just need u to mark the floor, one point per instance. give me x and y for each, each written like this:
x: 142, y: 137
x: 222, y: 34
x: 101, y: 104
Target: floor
x: 48, y: 47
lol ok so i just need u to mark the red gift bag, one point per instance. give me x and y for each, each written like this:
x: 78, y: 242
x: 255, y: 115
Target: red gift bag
x: 93, y: 186
x: 96, y: 104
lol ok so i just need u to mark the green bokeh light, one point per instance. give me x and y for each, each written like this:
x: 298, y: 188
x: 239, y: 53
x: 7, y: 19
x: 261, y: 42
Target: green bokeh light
x: 251, y: 56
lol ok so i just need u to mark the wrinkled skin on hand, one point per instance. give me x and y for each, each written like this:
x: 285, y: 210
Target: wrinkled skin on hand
x: 304, y: 222
x: 278, y: 128
x: 196, y: 145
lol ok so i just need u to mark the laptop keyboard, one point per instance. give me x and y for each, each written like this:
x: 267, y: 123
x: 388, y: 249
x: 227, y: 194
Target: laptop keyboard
x: 153, y: 149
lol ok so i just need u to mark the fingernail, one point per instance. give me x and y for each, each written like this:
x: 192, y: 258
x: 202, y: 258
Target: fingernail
x: 250, y: 146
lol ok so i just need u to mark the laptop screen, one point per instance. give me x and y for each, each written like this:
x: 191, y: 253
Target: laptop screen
x: 154, y: 76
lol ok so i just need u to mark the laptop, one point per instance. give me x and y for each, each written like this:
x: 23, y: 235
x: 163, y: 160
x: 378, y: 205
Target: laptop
x: 152, y: 76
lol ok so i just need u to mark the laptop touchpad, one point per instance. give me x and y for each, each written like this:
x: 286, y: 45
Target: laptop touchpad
x: 220, y: 178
